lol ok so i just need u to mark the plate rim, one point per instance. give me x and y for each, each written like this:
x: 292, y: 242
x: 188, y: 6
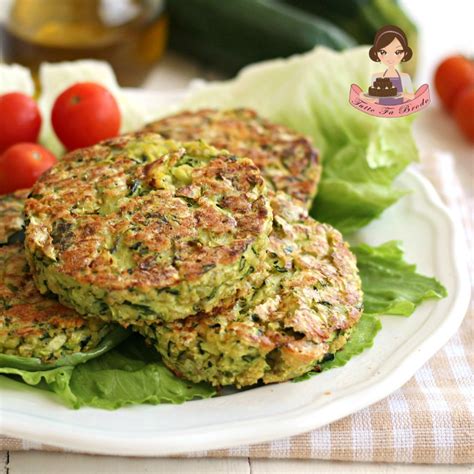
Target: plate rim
x: 289, y: 423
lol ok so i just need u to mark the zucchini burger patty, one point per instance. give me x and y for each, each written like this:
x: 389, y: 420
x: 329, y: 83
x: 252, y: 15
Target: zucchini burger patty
x: 302, y: 312
x: 138, y: 228
x: 287, y: 159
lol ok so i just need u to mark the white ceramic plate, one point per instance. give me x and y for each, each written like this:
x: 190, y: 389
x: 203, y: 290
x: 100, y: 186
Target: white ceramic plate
x: 432, y: 240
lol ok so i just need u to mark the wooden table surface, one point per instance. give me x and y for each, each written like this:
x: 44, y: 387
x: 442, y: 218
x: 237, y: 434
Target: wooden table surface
x: 34, y: 462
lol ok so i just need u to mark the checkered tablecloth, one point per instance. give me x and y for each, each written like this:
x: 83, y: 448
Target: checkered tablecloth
x: 428, y: 420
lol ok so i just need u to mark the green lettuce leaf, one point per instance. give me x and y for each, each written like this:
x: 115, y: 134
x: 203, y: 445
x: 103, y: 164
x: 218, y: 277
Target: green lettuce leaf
x: 53, y: 380
x: 134, y: 374
x: 131, y: 374
x: 362, y: 337
x: 391, y: 285
x: 361, y: 154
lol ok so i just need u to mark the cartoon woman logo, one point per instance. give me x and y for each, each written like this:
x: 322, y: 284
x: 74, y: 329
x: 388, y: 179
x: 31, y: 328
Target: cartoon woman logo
x: 390, y: 48
x: 391, y: 91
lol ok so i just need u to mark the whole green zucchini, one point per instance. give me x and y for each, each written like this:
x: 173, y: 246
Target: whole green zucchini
x: 229, y: 34
x: 362, y: 18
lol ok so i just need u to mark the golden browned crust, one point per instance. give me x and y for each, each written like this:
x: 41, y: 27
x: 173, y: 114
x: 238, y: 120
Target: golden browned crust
x: 288, y: 160
x: 33, y: 325
x: 20, y: 300
x: 144, y: 228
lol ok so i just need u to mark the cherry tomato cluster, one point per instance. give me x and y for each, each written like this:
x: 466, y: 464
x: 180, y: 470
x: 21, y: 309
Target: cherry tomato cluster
x: 454, y: 82
x: 82, y: 115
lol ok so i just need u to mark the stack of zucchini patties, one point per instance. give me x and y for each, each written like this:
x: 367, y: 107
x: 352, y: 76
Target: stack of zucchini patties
x: 195, y: 233
x: 36, y: 331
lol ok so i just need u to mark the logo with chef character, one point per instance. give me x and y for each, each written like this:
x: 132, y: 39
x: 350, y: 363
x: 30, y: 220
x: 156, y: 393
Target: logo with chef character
x: 390, y: 93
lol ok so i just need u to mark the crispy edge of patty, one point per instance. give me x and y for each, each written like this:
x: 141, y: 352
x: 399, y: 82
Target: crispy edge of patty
x: 174, y: 207
x: 305, y: 310
x: 11, y: 213
x: 33, y: 325
x: 287, y: 159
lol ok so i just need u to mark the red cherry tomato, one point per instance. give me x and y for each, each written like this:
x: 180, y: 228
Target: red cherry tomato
x: 85, y: 114
x: 22, y: 164
x: 452, y: 76
x: 20, y: 119
x: 463, y: 112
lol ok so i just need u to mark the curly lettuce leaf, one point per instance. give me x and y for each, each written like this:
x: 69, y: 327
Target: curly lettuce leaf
x: 361, y: 154
x: 130, y: 374
x: 391, y: 285
x: 54, y: 380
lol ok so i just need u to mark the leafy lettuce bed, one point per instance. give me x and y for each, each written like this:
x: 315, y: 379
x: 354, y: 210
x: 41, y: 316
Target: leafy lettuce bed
x: 362, y: 155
